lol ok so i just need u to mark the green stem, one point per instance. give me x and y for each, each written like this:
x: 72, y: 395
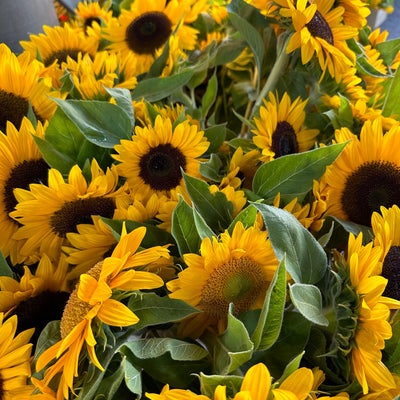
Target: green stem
x: 276, y: 71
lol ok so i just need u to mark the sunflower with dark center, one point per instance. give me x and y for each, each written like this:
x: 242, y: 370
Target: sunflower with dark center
x: 366, y: 175
x: 21, y: 164
x: 152, y: 162
x: 319, y: 32
x: 47, y: 213
x: 146, y: 27
x: 18, y: 77
x: 280, y: 128
x: 234, y: 269
x: 385, y: 226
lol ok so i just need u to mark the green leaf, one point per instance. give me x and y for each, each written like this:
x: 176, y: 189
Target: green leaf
x: 187, y: 239
x: 5, y: 269
x: 391, y: 105
x: 292, y: 175
x: 110, y: 384
x: 133, y: 379
x: 208, y: 384
x: 214, y: 208
x: 179, y: 350
x: 247, y: 217
x: 124, y: 100
x: 155, y: 310
x: 231, y: 349
x: 201, y: 225
x: 212, y: 169
x: 308, y: 300
x: 355, y: 229
x: 216, y: 135
x: 210, y: 95
x: 271, y: 317
x: 103, y: 124
x: 306, y: 260
x: 389, y: 50
x: 50, y: 335
x: 291, y: 367
x: 155, y: 89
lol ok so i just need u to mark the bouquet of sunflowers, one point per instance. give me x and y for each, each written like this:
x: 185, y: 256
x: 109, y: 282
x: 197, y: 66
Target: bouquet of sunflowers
x: 200, y: 200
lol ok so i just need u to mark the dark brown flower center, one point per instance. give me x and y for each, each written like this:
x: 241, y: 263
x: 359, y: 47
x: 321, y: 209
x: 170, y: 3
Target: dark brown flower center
x: 90, y: 21
x: 36, y: 312
x: 239, y: 281
x: 12, y: 108
x: 318, y: 27
x: 160, y: 168
x: 77, y: 212
x: 370, y: 186
x: 284, y: 140
x: 61, y: 56
x: 391, y: 271
x: 148, y: 32
x: 21, y: 176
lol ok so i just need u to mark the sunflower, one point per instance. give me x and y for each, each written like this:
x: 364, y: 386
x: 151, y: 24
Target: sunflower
x: 21, y: 164
x: 355, y: 12
x: 373, y: 312
x: 279, y: 129
x: 47, y: 288
x: 152, y: 161
x: 55, y: 45
x: 91, y: 303
x: 366, y: 175
x: 19, y: 75
x: 319, y: 31
x: 146, y: 27
x: 15, y: 359
x: 47, y: 213
x: 234, y: 269
x: 385, y: 226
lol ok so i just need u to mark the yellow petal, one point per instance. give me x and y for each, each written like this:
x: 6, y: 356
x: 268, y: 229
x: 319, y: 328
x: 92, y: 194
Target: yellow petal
x: 114, y: 313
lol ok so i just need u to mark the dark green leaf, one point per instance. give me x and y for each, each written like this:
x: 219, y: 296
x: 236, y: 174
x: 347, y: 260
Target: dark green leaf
x: 210, y: 95
x: 216, y: 135
x: 208, y: 384
x: 391, y: 105
x: 5, y: 269
x: 306, y: 260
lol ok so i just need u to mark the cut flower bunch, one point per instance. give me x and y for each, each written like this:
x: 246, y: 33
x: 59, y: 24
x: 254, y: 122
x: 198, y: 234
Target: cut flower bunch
x: 200, y: 199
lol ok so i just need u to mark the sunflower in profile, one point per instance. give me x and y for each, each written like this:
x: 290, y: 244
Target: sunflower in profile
x: 385, y: 226
x: 366, y: 175
x: 21, y: 164
x: 92, y: 303
x: 319, y: 31
x: 234, y: 269
x: 15, y: 359
x: 146, y: 27
x: 152, y: 161
x: 361, y: 268
x: 56, y: 44
x: 47, y: 288
x: 47, y: 213
x: 279, y: 128
x: 355, y: 12
x: 19, y: 75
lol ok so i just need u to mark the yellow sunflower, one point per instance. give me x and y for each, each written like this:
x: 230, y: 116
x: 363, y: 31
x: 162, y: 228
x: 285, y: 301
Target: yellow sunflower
x: 47, y: 288
x: 152, y: 161
x: 279, y: 129
x: 234, y: 269
x: 146, y: 27
x: 355, y: 12
x: 373, y: 327
x: 366, y: 175
x: 91, y: 303
x: 47, y: 213
x: 15, y: 359
x: 18, y: 77
x: 320, y: 32
x: 21, y: 164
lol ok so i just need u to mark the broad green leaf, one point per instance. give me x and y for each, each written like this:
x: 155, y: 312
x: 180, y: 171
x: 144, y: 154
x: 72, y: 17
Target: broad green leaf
x: 292, y: 175
x: 392, y: 346
x: 388, y: 50
x: 216, y: 135
x: 247, y: 217
x: 109, y: 385
x: 308, y: 300
x: 5, y: 269
x: 213, y: 168
x: 202, y: 228
x: 231, y: 349
x: 187, y: 239
x: 306, y: 260
x: 155, y: 89
x: 133, y: 379
x: 271, y: 317
x: 179, y: 350
x: 214, y: 208
x: 100, y: 122
x: 124, y: 100
x: 391, y: 105
x: 208, y: 384
x: 155, y: 310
